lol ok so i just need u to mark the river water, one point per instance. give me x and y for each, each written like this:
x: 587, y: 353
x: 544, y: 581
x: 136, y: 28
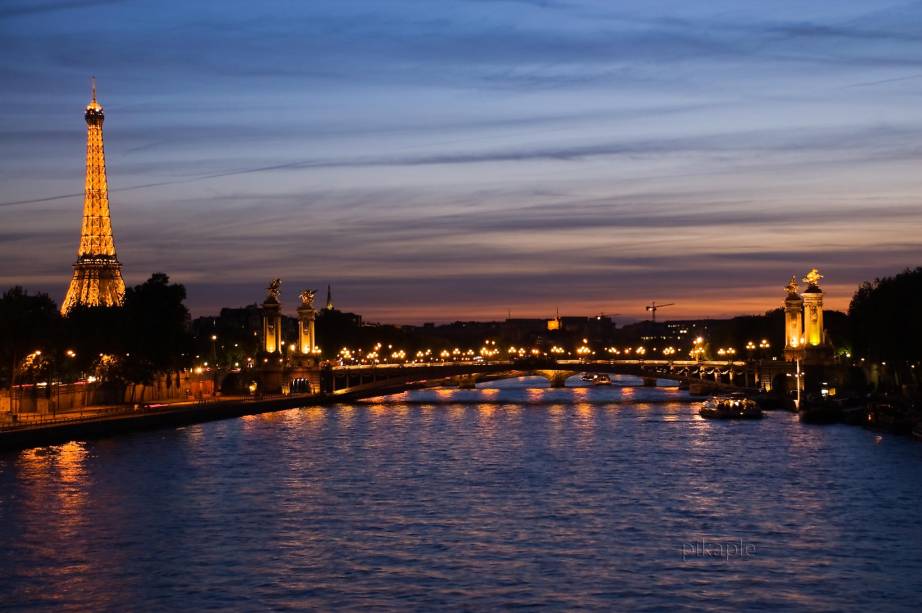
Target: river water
x: 607, y: 498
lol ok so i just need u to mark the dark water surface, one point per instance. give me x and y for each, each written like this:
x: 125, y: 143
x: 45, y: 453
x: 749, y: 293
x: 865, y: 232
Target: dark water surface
x: 607, y: 498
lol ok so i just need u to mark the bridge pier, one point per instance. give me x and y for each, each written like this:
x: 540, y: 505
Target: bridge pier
x: 466, y: 382
x: 557, y: 378
x: 649, y: 381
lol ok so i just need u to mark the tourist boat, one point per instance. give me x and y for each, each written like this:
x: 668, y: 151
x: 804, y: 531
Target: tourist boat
x: 734, y: 406
x: 588, y: 378
x: 601, y: 380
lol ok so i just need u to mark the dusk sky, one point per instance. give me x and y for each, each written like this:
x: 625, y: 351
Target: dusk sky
x: 458, y: 159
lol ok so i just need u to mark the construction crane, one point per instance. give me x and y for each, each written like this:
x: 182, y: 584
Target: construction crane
x: 653, y: 307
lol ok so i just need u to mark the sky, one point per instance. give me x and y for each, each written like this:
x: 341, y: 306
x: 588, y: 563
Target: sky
x: 470, y: 159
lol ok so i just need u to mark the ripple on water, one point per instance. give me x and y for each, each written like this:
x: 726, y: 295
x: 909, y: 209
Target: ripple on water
x: 598, y: 498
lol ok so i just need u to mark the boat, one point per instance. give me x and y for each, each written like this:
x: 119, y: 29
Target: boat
x: 893, y: 414
x: 768, y: 401
x: 734, y: 406
x: 602, y: 380
x: 588, y: 378
x: 820, y: 413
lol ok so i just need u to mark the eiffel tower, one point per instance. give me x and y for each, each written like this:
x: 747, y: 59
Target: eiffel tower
x: 97, y: 277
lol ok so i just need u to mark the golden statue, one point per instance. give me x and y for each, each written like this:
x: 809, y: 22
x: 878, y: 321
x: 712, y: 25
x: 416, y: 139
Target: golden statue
x: 307, y: 297
x: 813, y: 277
x: 792, y: 286
x: 275, y: 289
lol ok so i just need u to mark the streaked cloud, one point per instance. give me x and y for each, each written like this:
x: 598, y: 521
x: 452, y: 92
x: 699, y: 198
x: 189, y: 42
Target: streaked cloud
x: 489, y: 155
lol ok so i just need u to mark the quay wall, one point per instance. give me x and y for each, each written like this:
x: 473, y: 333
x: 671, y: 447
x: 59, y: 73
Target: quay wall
x: 147, y: 419
x: 62, y: 398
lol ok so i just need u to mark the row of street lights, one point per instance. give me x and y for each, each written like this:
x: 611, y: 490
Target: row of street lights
x: 490, y: 351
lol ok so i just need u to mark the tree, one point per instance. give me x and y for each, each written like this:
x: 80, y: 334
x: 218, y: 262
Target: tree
x: 884, y: 317
x: 156, y: 329
x: 27, y: 323
x: 93, y: 332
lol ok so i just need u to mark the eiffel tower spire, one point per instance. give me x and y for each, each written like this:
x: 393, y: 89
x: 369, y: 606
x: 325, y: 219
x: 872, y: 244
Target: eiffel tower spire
x: 97, y: 279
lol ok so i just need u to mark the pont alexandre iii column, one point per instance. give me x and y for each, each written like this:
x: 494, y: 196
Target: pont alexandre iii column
x: 307, y: 337
x: 813, y: 309
x: 793, y: 322
x: 272, y: 318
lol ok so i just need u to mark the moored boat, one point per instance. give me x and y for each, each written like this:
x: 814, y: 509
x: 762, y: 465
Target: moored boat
x: 893, y: 414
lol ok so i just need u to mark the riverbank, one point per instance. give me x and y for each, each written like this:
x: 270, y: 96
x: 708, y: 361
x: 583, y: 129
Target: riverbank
x: 122, y: 420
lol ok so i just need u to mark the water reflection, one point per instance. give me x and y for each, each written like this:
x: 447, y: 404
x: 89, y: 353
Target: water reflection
x: 524, y: 496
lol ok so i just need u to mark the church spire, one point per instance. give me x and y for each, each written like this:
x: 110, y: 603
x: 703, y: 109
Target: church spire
x: 97, y: 276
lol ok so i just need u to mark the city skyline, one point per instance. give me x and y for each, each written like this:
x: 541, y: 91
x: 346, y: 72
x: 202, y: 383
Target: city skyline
x: 517, y: 157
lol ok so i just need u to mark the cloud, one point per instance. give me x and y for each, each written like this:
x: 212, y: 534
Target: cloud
x: 33, y: 7
x: 487, y: 154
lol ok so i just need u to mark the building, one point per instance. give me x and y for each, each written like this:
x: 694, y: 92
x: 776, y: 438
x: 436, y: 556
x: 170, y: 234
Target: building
x: 97, y: 279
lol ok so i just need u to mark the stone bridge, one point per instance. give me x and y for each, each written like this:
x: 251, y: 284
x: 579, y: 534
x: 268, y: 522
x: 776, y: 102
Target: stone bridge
x: 360, y: 381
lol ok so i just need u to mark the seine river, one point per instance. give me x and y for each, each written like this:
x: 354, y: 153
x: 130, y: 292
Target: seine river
x: 604, y: 498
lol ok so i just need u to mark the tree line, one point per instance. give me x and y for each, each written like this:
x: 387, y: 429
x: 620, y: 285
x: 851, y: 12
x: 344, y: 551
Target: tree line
x: 149, y: 335
x: 134, y: 343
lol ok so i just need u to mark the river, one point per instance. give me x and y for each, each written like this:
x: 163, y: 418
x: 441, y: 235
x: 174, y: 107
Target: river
x: 614, y: 497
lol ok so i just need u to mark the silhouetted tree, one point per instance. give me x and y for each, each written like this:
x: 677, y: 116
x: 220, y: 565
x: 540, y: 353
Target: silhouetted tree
x: 885, y: 317
x: 92, y: 332
x: 156, y: 329
x: 27, y: 323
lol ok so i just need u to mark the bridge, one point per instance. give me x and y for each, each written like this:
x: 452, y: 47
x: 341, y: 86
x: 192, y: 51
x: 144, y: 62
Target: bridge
x: 379, y: 379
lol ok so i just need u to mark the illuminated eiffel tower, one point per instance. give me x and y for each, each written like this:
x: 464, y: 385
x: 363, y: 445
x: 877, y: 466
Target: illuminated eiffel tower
x: 97, y: 277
